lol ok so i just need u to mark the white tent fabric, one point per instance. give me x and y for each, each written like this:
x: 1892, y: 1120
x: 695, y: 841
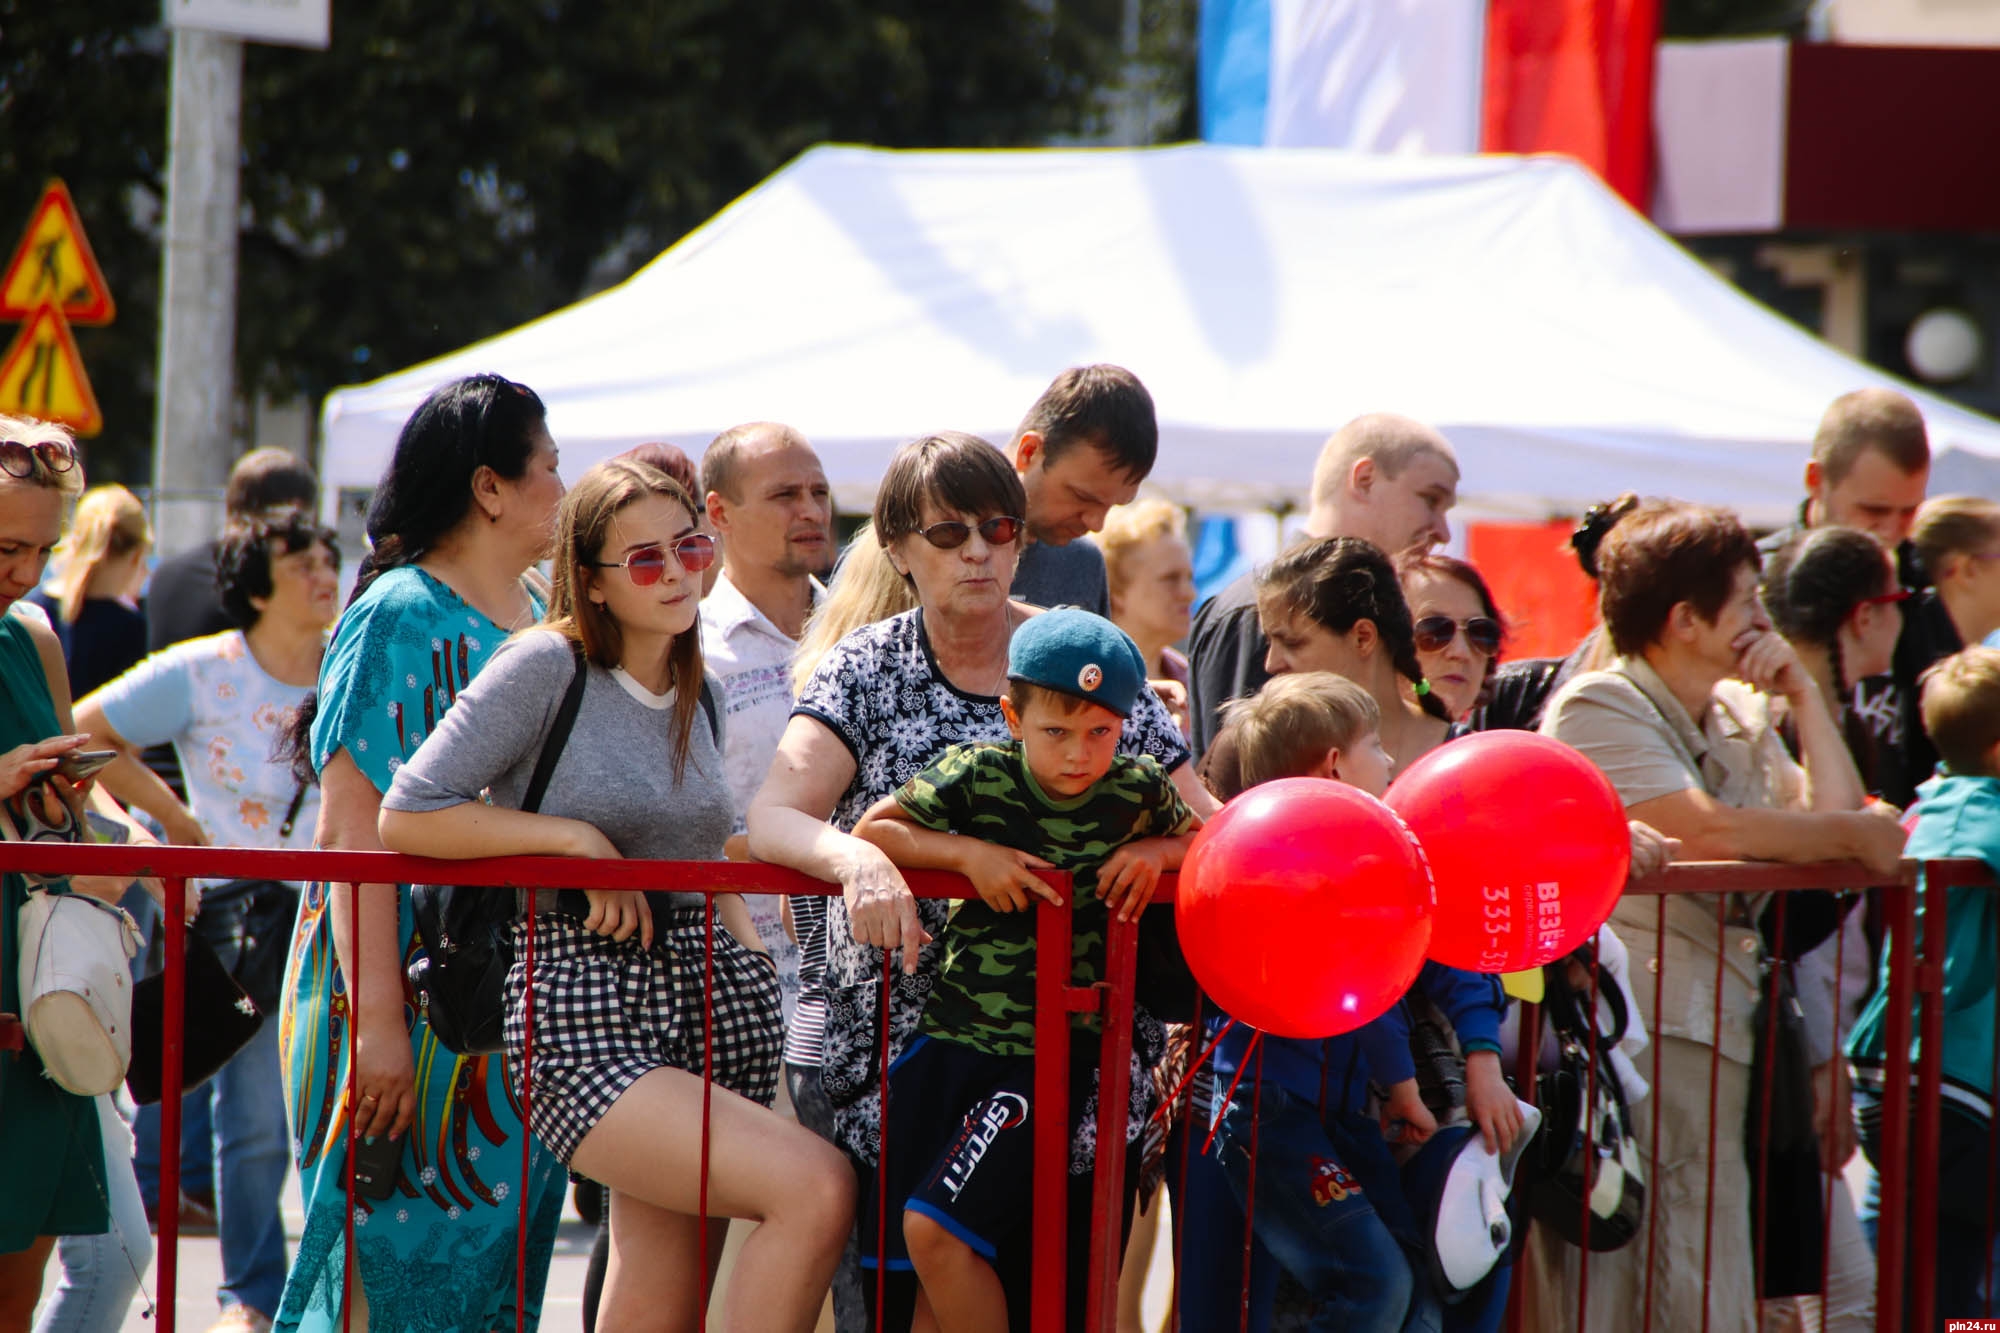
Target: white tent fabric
x: 1568, y: 349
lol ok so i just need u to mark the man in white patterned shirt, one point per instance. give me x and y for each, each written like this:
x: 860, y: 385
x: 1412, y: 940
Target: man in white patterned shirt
x: 767, y: 498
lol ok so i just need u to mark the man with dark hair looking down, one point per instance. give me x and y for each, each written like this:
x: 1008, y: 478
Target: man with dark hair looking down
x: 1083, y: 449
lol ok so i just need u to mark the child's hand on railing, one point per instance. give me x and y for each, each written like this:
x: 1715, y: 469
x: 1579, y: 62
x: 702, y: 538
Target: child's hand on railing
x: 1129, y: 875
x: 1003, y: 877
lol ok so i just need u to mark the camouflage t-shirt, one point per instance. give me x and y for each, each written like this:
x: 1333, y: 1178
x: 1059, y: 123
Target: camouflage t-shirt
x: 985, y: 997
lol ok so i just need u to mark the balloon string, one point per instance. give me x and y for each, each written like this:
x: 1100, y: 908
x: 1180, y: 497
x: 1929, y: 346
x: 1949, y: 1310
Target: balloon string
x: 1242, y: 1067
x: 1194, y: 1070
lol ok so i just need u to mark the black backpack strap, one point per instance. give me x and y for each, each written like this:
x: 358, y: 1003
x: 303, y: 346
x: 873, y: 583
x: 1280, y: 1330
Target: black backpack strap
x: 708, y: 709
x: 552, y: 745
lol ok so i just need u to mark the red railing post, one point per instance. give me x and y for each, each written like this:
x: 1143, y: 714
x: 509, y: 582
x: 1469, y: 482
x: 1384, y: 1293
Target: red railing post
x: 350, y: 1266
x: 527, y: 1109
x: 1653, y: 1095
x: 1048, y: 1294
x: 173, y: 985
x: 1921, y: 1257
x: 1890, y: 1242
x: 1527, y: 1082
x: 1114, y: 1084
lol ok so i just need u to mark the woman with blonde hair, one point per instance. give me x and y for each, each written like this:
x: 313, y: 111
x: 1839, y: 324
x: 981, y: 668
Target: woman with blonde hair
x: 866, y: 588
x: 1957, y: 543
x: 620, y: 1053
x: 92, y: 599
x: 1150, y: 572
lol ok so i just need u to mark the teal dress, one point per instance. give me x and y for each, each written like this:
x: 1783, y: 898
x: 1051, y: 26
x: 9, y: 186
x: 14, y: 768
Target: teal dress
x: 438, y: 1253
x: 51, y: 1155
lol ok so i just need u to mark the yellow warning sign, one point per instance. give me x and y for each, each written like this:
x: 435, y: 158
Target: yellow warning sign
x: 42, y: 375
x: 53, y: 266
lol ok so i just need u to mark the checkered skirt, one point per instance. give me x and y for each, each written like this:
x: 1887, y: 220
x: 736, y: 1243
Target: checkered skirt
x: 607, y: 1013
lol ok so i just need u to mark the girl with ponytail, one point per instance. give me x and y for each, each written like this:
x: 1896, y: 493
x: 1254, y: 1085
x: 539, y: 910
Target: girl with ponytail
x: 1832, y: 592
x: 1334, y: 604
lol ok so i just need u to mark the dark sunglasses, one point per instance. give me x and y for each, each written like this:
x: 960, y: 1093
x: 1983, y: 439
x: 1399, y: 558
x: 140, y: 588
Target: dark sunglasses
x: 949, y: 536
x: 648, y: 564
x: 18, y: 458
x: 1435, y: 633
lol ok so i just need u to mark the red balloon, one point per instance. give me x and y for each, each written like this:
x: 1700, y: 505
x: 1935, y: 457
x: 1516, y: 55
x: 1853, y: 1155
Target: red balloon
x: 1527, y: 843
x: 1304, y: 908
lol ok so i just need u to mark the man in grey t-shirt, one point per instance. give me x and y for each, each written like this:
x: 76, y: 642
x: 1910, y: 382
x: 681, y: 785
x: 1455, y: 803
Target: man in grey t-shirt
x: 1085, y: 445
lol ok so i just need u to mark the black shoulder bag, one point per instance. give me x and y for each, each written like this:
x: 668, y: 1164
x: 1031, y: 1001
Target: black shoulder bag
x: 1585, y: 1149
x: 249, y: 922
x: 467, y: 931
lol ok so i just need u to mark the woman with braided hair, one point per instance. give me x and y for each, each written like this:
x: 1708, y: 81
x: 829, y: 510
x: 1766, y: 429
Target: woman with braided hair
x: 1335, y: 604
x: 1832, y: 592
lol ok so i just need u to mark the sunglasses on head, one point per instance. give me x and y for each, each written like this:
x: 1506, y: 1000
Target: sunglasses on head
x: 1435, y: 633
x: 1888, y: 598
x: 950, y: 535
x: 18, y: 458
x: 647, y: 565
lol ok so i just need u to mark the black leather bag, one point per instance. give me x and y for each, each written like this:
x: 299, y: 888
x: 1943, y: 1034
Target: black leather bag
x: 467, y: 932
x: 219, y: 1019
x: 1585, y: 1146
x: 249, y: 924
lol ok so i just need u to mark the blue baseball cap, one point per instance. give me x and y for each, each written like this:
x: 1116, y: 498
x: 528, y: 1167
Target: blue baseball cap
x: 1074, y: 652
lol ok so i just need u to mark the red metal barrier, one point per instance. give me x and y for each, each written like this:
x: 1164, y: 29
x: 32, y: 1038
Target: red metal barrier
x: 1056, y: 1001
x: 1908, y: 1236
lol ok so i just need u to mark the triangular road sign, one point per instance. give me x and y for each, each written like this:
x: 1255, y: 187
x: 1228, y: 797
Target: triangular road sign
x: 42, y: 375
x: 53, y: 266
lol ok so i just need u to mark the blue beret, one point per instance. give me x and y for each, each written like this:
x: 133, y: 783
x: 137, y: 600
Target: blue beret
x: 1078, y: 653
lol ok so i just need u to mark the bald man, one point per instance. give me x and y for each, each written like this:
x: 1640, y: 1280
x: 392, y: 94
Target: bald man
x: 766, y: 496
x: 1383, y: 478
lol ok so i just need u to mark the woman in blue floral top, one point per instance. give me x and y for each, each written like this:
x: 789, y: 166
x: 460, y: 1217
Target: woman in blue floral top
x: 466, y: 507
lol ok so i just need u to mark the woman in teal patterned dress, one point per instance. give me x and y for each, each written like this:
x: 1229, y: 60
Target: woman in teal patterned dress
x: 466, y: 506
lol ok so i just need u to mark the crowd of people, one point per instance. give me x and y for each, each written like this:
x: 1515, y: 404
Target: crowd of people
x: 973, y: 686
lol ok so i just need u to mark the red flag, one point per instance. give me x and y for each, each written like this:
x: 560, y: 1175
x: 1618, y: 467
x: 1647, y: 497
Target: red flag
x: 1576, y: 77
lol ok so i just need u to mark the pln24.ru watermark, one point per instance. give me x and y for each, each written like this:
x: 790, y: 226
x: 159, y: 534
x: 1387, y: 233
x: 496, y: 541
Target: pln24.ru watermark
x: 1972, y: 1326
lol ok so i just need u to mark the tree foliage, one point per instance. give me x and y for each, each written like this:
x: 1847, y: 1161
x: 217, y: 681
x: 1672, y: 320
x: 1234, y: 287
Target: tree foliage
x: 450, y: 168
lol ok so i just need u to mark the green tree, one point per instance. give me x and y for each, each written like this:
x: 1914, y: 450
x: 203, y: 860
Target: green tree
x: 83, y: 97
x: 450, y: 168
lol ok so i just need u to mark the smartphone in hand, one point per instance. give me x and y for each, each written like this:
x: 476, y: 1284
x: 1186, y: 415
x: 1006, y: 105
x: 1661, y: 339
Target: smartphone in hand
x: 78, y: 765
x: 375, y: 1163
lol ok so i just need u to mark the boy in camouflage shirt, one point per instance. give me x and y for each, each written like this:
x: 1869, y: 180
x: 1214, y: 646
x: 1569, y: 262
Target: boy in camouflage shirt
x: 1058, y: 796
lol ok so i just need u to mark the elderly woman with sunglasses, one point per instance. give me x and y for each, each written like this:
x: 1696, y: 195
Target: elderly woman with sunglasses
x: 57, y: 1178
x: 1457, y: 626
x: 880, y: 706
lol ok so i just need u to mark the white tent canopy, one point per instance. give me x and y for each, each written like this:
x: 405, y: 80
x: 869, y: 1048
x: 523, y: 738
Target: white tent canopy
x: 1568, y: 349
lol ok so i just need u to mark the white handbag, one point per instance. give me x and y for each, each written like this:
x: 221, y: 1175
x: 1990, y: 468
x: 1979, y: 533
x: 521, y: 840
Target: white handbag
x: 76, y: 988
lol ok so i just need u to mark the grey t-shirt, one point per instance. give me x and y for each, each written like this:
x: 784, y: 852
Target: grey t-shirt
x: 1071, y: 575
x: 615, y: 771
